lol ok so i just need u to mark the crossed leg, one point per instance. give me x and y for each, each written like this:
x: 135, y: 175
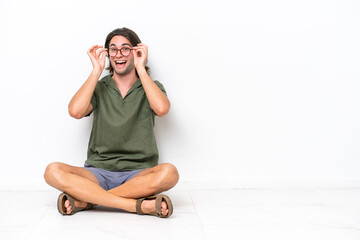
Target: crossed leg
x: 83, y: 186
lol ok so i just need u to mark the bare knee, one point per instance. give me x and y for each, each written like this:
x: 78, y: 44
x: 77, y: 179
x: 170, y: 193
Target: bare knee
x: 169, y: 175
x: 53, y: 173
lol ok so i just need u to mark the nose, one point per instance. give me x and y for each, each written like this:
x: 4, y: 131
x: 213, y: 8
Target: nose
x: 118, y: 52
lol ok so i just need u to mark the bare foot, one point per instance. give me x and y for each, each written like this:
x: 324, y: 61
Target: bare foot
x: 148, y: 206
x: 77, y: 204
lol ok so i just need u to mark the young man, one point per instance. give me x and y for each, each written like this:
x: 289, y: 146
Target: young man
x: 122, y: 168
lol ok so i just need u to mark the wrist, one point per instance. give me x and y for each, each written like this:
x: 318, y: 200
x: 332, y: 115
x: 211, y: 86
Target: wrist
x: 97, y: 69
x: 141, y: 70
x: 96, y: 73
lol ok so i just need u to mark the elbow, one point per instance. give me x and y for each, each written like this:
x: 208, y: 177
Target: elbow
x: 163, y: 110
x: 75, y: 114
x: 161, y: 113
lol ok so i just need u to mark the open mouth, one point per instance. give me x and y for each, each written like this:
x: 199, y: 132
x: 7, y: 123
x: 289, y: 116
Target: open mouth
x: 120, y: 63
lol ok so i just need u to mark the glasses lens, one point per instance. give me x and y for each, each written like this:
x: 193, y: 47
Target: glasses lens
x: 112, y: 51
x: 125, y: 51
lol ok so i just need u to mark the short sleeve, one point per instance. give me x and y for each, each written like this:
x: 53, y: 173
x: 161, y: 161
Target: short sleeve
x: 161, y: 87
x: 93, y: 101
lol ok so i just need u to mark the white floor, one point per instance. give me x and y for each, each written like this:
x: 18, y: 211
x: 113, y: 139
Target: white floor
x: 199, y: 214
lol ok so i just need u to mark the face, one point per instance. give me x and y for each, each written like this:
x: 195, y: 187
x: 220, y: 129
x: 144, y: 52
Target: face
x: 122, y: 65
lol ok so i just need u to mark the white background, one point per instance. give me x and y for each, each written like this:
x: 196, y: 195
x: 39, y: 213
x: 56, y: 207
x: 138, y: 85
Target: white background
x: 263, y: 93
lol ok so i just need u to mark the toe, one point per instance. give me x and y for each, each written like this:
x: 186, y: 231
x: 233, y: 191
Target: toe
x: 67, y: 207
x: 67, y: 203
x: 164, y: 212
x: 164, y: 206
x: 164, y: 209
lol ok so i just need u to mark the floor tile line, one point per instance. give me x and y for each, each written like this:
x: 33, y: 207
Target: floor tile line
x: 39, y: 222
x: 198, y: 217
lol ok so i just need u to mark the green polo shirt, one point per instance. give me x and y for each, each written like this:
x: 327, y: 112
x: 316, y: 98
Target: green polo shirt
x: 122, y: 137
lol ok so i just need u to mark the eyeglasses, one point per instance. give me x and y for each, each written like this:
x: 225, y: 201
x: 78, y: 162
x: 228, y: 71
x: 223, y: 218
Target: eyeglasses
x: 125, y: 51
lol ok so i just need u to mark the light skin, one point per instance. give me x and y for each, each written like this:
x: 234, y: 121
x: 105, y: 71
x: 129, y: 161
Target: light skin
x: 81, y: 183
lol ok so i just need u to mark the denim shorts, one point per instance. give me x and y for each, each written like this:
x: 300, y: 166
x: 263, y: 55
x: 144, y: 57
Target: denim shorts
x: 108, y: 179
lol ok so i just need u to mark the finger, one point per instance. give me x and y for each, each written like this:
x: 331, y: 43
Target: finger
x: 139, y: 52
x: 143, y: 47
x: 95, y: 47
x: 100, y: 51
x: 144, y: 53
x: 92, y: 48
x: 104, y: 54
x: 140, y: 46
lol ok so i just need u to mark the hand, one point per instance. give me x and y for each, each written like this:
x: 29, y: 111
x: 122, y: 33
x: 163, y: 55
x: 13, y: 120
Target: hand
x: 97, y: 56
x: 140, y: 55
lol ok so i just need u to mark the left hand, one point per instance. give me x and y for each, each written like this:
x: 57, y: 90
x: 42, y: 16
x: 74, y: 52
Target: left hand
x: 140, y: 55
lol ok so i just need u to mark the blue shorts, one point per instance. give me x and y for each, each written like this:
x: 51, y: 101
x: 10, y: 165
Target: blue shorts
x: 108, y: 179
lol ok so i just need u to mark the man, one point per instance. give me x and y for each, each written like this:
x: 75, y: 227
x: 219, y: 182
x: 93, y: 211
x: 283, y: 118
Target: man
x: 122, y: 168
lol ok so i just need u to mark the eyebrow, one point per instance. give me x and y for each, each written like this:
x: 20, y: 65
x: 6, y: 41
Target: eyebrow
x: 113, y: 44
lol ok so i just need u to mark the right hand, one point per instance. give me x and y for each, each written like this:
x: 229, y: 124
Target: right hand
x: 97, y: 56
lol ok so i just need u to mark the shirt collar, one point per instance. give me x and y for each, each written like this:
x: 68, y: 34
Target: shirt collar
x: 108, y: 80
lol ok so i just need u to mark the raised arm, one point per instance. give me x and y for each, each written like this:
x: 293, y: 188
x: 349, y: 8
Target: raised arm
x: 80, y: 105
x: 159, y: 102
